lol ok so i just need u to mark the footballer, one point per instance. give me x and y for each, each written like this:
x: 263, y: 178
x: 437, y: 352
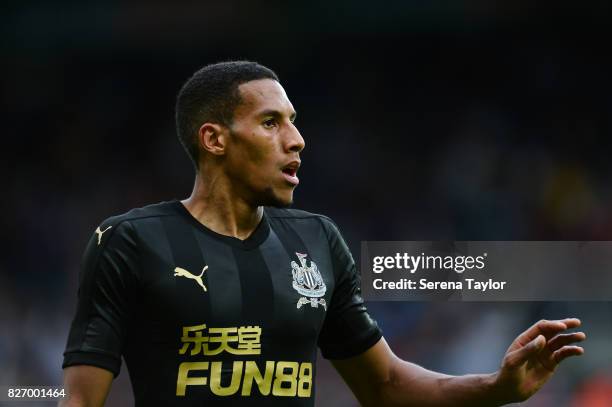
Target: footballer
x: 223, y: 298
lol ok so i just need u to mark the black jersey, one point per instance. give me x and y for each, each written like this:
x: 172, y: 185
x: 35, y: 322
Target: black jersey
x: 205, y: 319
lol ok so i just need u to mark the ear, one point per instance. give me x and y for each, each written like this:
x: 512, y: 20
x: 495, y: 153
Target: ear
x: 212, y: 137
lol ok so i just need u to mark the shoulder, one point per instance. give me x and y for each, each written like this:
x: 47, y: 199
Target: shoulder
x: 161, y: 209
x: 297, y: 215
x: 123, y: 226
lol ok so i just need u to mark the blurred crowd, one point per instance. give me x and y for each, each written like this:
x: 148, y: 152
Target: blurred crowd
x: 419, y: 125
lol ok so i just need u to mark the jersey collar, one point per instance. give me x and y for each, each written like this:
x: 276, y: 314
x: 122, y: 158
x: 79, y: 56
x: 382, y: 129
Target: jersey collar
x: 259, y: 235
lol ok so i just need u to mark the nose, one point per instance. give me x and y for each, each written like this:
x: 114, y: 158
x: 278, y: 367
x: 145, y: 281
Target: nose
x: 294, y: 142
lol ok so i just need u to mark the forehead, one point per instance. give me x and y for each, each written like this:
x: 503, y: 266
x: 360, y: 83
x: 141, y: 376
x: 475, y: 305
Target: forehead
x: 261, y: 95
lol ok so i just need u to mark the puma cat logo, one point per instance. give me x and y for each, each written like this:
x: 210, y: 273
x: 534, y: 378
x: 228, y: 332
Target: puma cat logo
x: 100, y: 233
x: 181, y: 272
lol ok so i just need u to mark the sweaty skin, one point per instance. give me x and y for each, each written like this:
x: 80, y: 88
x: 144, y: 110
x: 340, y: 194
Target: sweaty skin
x: 242, y: 167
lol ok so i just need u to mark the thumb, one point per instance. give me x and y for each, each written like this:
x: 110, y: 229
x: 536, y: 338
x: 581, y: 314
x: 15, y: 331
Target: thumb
x: 520, y: 356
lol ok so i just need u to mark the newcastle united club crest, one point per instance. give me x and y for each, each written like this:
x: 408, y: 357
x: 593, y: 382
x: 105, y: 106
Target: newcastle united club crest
x: 307, y: 281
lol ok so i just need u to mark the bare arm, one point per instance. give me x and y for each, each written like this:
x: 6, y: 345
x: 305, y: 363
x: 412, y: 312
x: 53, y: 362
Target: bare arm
x: 379, y: 378
x: 86, y: 386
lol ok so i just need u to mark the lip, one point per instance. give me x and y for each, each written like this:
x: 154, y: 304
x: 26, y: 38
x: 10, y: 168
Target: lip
x: 292, y: 179
x: 290, y: 172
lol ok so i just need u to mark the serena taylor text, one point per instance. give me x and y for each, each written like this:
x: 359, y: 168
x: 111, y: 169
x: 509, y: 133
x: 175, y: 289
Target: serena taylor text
x: 435, y: 265
x: 424, y: 284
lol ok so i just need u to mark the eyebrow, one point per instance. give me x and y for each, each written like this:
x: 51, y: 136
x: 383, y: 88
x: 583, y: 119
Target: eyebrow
x: 276, y: 113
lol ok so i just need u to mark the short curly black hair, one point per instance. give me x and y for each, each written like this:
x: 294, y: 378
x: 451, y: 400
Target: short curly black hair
x: 211, y: 95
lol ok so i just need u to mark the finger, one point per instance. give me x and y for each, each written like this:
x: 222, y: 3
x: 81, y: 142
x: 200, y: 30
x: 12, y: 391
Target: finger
x: 520, y: 356
x: 542, y: 327
x: 565, y: 339
x: 571, y: 322
x: 567, y: 351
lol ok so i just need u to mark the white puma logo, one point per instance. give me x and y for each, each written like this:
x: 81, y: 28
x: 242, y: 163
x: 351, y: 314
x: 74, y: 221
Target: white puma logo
x: 100, y: 232
x: 180, y: 272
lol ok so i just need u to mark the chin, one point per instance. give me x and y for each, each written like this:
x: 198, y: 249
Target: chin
x: 273, y: 198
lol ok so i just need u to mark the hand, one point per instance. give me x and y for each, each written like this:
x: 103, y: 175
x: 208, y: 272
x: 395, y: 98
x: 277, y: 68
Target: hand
x: 533, y: 357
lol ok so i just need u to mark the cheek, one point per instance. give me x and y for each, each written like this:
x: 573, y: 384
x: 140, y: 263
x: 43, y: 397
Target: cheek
x: 254, y: 157
x: 261, y: 150
x: 258, y: 154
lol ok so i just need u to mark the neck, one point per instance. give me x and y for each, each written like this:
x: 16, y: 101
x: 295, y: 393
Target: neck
x: 214, y: 204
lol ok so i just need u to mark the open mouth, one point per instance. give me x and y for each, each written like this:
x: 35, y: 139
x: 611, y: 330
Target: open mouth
x: 290, y: 172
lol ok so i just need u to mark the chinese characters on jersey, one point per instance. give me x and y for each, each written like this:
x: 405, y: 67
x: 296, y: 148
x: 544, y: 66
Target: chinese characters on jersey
x: 277, y: 378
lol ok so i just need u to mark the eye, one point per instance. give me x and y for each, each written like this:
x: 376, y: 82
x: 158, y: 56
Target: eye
x: 269, y: 123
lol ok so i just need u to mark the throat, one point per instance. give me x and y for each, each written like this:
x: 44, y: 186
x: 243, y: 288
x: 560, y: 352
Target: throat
x: 227, y: 220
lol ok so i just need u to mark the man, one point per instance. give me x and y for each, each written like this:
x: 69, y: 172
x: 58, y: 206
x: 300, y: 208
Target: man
x: 216, y: 300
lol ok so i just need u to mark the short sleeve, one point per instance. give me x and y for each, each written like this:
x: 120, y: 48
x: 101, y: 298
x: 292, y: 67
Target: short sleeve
x: 348, y: 329
x: 107, y: 279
